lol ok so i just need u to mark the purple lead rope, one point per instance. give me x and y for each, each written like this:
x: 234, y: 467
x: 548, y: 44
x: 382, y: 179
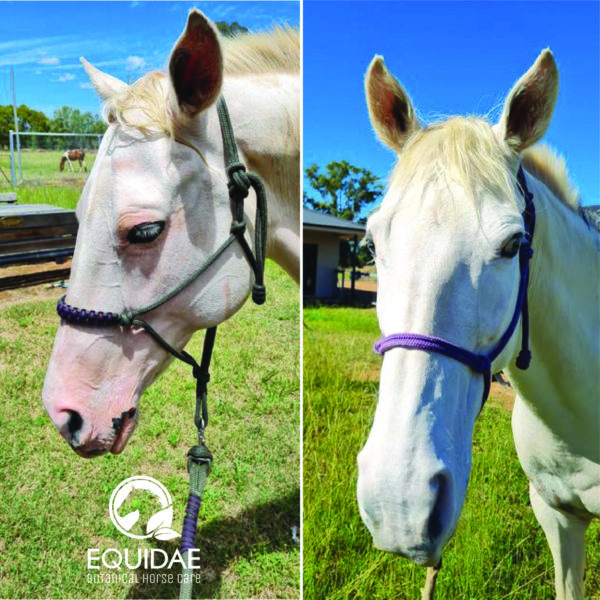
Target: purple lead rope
x: 190, y: 522
x: 482, y: 363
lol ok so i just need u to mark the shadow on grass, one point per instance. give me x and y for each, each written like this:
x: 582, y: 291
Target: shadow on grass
x: 261, y: 529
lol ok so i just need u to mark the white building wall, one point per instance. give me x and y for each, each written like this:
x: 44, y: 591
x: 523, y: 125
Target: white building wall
x: 328, y: 256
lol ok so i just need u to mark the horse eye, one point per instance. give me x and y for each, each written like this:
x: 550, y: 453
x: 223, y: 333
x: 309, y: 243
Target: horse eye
x: 144, y: 233
x: 511, y: 247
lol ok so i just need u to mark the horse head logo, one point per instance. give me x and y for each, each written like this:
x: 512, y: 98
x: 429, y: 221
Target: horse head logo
x: 159, y: 524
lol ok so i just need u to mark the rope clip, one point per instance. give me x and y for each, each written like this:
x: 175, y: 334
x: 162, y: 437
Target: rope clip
x: 200, y: 454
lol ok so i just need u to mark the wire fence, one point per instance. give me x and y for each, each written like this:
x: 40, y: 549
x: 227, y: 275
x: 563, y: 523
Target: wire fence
x: 37, y: 157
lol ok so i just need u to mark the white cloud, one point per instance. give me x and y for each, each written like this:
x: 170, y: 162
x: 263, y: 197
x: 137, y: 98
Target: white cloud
x: 49, y: 60
x: 86, y: 85
x: 66, y: 77
x: 134, y: 63
x: 37, y: 50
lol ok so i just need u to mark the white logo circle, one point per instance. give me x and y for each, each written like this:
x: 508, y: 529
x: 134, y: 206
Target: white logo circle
x: 159, y: 524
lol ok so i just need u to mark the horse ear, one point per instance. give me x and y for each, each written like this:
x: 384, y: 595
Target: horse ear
x: 390, y: 109
x: 106, y: 85
x: 196, y: 65
x: 530, y: 104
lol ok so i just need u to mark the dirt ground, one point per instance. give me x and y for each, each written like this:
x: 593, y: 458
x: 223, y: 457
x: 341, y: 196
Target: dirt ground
x: 504, y: 395
x: 366, y: 284
x: 44, y: 291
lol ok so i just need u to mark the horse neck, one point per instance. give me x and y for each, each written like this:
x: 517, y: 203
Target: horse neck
x: 266, y: 127
x: 564, y: 316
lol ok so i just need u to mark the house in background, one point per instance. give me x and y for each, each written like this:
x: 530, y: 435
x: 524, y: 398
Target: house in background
x: 322, y: 235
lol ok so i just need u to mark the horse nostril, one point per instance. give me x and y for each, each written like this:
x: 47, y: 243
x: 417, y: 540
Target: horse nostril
x: 440, y: 514
x: 74, y: 425
x: 118, y: 422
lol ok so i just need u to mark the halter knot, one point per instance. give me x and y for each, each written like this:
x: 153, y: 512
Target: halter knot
x: 238, y: 182
x: 200, y: 453
x: 237, y: 227
x: 126, y: 318
x: 527, y: 251
x: 523, y: 360
x: 259, y: 294
x: 481, y: 364
x: 202, y: 377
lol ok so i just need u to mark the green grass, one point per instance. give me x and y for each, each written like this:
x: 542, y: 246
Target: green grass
x: 63, y: 196
x: 41, y: 167
x: 54, y: 505
x: 498, y: 552
x: 43, y: 182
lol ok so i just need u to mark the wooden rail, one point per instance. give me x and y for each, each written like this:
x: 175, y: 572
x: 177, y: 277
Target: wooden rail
x: 33, y: 234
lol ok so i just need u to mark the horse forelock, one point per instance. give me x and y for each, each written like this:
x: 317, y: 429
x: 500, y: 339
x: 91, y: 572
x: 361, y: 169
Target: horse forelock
x: 465, y: 150
x: 142, y: 105
x: 460, y: 150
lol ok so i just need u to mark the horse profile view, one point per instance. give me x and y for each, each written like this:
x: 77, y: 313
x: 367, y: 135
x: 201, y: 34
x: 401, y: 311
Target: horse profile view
x: 484, y: 263
x: 157, y: 205
x: 73, y: 155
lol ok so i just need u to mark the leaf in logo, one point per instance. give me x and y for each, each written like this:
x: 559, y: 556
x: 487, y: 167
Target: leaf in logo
x: 164, y: 533
x: 162, y: 518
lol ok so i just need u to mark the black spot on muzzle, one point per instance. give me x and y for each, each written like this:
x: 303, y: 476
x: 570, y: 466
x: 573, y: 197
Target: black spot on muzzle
x: 118, y: 421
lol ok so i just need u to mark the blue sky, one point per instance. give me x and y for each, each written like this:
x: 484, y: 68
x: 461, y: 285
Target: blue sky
x: 44, y: 40
x: 453, y: 58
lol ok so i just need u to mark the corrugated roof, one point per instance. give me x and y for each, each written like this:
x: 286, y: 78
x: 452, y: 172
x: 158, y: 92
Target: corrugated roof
x: 592, y: 215
x: 315, y: 220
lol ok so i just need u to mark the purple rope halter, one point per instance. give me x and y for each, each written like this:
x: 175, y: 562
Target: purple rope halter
x: 482, y: 363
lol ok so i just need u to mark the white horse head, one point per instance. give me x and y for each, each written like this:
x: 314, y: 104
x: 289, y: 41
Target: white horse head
x: 155, y: 206
x: 446, y: 240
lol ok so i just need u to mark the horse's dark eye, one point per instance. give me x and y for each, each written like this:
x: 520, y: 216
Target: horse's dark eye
x: 511, y: 247
x: 144, y: 233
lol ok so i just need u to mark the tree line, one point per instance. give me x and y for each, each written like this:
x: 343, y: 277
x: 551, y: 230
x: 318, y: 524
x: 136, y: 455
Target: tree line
x: 345, y: 191
x: 64, y: 120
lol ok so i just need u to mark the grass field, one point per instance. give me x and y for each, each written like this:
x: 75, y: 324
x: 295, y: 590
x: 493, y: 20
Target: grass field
x: 41, y: 167
x: 43, y: 182
x: 54, y: 505
x: 498, y: 552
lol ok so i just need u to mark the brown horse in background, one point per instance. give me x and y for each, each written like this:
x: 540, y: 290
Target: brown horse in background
x: 71, y: 155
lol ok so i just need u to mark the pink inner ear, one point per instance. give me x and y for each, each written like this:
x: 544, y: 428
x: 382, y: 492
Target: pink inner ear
x: 392, y: 110
x: 197, y: 68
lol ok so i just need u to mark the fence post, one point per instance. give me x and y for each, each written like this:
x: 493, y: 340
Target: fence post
x: 19, y: 157
x: 353, y: 273
x: 13, y: 175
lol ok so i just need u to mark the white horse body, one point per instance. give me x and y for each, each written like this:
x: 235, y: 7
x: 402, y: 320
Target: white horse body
x: 556, y: 418
x: 444, y: 239
x: 161, y: 163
